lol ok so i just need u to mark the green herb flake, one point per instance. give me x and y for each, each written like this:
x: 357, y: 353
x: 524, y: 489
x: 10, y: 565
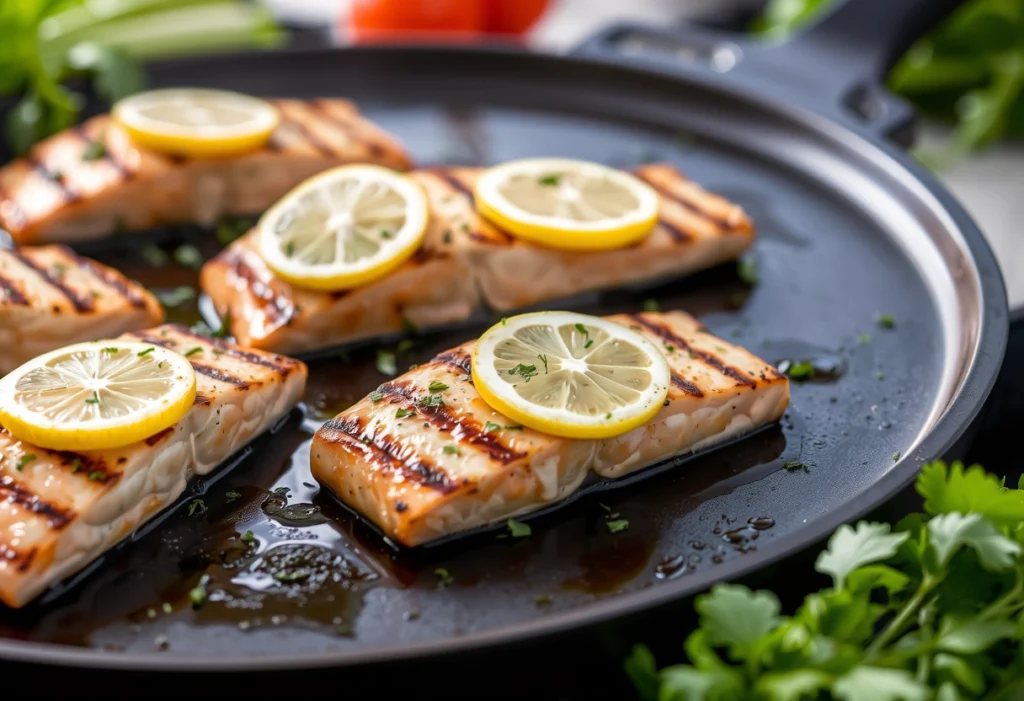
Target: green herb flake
x: 880, y: 374
x: 886, y: 321
x: 193, y: 351
x: 434, y: 400
x: 793, y: 465
x: 111, y: 349
x: 232, y: 495
x: 197, y: 507
x: 176, y: 296
x: 58, y: 270
x: 154, y: 256
x: 896, y: 456
x: 518, y: 529
x: 617, y: 526
x: 608, y: 415
x: 550, y: 179
x: 147, y: 351
x: 437, y: 386
x: 746, y: 268
x: 188, y: 256
x: 669, y: 348
x: 95, y: 399
x: 24, y: 460
x: 650, y: 305
x: 248, y: 537
x: 385, y: 234
x: 386, y: 363
x: 76, y: 465
x: 582, y: 329
x: 444, y: 578
x: 98, y: 476
x: 527, y: 372
x: 544, y: 359
x: 292, y: 576
x: 864, y: 338
x: 198, y: 594
x: 402, y: 413
x: 800, y: 370
x: 543, y: 600
x: 452, y: 449
x: 166, y: 608
x: 94, y: 151
x: 491, y: 427
x: 376, y: 396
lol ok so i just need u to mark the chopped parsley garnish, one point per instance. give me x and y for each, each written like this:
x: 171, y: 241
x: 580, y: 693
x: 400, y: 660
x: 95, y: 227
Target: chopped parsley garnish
x: 76, y: 465
x: 544, y: 359
x: 193, y: 351
x: 504, y: 320
x: 513, y: 427
x: 386, y: 364
x: 896, y: 456
x: 289, y: 249
x: 248, y: 537
x: 95, y: 399
x: 524, y: 371
x: 154, y: 255
x: 669, y: 348
x: 57, y: 270
x: 542, y: 600
x: 746, y: 268
x: 232, y: 496
x: 437, y: 386
x: 198, y: 595
x: 230, y: 229
x: 198, y: 506
x: 376, y: 396
x: 589, y: 343
x: 188, y: 256
x: 146, y: 352
x: 402, y: 413
x: 94, y: 151
x: 880, y: 374
x: 451, y: 449
x: 886, y: 321
x: 224, y: 330
x: 801, y: 370
x: 295, y: 576
x: 793, y: 465
x: 385, y: 234
x: 551, y: 179
x: 582, y: 329
x: 617, y: 526
x: 604, y: 506
x: 111, y: 349
x: 650, y: 305
x: 405, y: 345
x: 864, y: 338
x: 444, y: 577
x: 176, y: 296
x: 517, y: 529
x: 97, y: 476
x: 608, y: 415
x: 446, y: 237
x: 167, y: 608
x: 491, y: 427
x: 25, y: 460
x: 432, y: 400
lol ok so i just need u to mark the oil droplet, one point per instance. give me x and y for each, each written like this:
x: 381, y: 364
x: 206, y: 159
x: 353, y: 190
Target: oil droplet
x: 670, y: 567
x: 762, y: 523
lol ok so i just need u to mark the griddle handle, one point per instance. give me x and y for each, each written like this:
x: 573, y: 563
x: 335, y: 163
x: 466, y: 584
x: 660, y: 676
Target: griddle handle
x: 836, y: 66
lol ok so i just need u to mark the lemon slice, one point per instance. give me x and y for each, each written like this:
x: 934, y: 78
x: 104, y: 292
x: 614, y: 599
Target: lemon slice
x: 561, y: 203
x: 344, y: 227
x: 570, y: 374
x: 99, y: 395
x: 197, y: 122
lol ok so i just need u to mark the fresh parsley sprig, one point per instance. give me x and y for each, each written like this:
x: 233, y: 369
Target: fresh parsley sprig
x: 929, y: 609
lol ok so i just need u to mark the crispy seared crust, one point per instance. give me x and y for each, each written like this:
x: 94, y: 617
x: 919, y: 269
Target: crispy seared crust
x: 466, y: 260
x: 54, y: 194
x: 396, y: 471
x: 61, y: 509
x: 51, y: 297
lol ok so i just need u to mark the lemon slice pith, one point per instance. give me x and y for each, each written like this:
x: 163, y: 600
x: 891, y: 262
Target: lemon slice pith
x: 343, y: 228
x: 196, y: 121
x: 568, y: 204
x: 95, y: 396
x: 570, y: 374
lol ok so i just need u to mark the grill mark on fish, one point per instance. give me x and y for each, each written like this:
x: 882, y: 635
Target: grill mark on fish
x: 12, y: 492
x: 269, y: 302
x: 713, y: 361
x: 686, y: 386
x: 677, y: 234
x: 201, y: 400
x: 274, y: 362
x: 11, y: 291
x: 155, y: 340
x: 211, y: 372
x: 81, y: 304
x: 723, y: 225
x: 464, y: 428
x: 80, y: 463
x: 385, y: 450
x: 293, y: 118
x: 26, y: 562
x: 350, y: 128
x: 109, y: 277
x: 456, y: 359
x: 455, y: 184
x: 55, y: 178
x: 156, y: 438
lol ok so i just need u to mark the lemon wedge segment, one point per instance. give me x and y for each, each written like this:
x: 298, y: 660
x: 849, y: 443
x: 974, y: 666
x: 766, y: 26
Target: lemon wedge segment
x: 197, y: 122
x: 569, y: 374
x: 567, y: 204
x: 344, y: 228
x: 98, y: 395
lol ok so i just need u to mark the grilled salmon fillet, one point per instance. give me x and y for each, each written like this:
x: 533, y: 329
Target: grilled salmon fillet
x: 61, y: 509
x: 51, y: 297
x: 90, y: 180
x: 397, y: 473
x: 466, y: 260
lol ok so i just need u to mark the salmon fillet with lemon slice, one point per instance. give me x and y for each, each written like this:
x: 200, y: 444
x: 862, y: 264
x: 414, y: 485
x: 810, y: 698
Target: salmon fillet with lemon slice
x: 425, y: 469
x: 51, y: 297
x: 464, y: 260
x: 92, y: 180
x: 59, y: 510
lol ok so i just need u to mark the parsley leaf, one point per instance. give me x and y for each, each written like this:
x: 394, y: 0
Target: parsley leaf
x: 517, y: 529
x: 386, y: 363
x: 735, y: 617
x: 617, y: 526
x: 948, y: 532
x: 746, y: 268
x: 451, y: 449
x: 94, y: 151
x: 402, y: 413
x: 491, y: 427
x: 376, y: 396
x: 955, y: 489
x: 437, y: 386
x: 188, y: 256
x: 851, y: 548
x: 552, y: 179
x: 527, y: 372
x: 886, y: 321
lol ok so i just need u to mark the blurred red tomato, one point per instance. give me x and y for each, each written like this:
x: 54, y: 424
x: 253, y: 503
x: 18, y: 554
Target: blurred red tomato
x: 512, y: 16
x: 397, y: 19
